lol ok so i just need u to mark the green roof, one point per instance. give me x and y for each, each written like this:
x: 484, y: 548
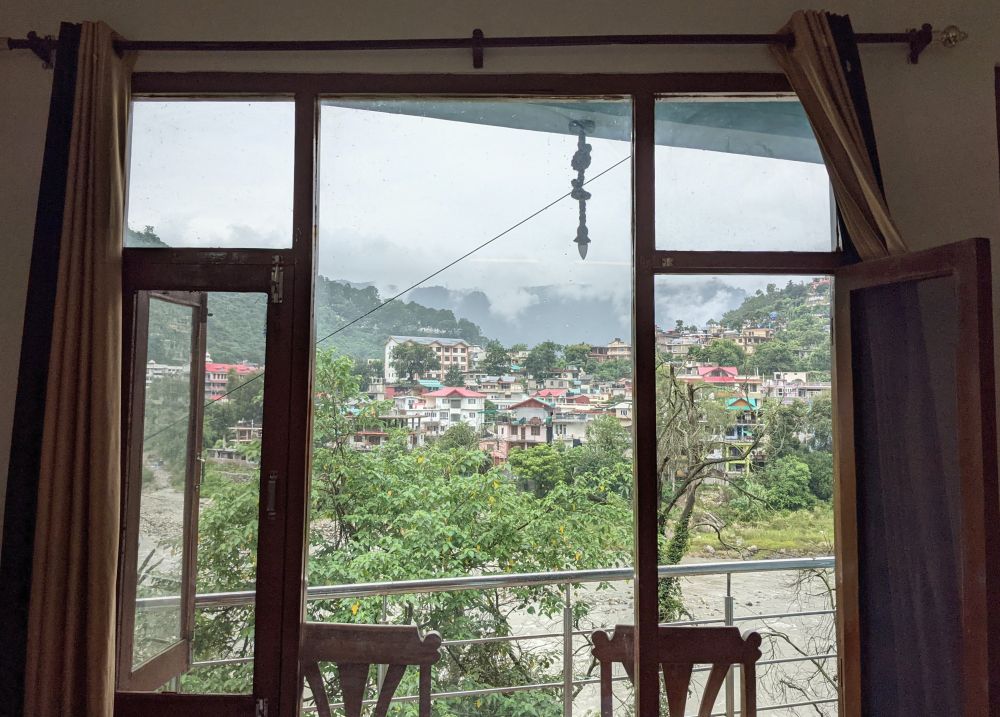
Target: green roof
x: 731, y: 404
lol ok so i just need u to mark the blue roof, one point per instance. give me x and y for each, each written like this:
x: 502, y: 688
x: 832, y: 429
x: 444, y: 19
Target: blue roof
x: 430, y: 383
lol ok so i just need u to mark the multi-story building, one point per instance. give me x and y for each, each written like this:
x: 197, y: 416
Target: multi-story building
x: 750, y: 338
x: 788, y: 386
x: 449, y: 352
x: 451, y: 406
x: 217, y: 377
x: 618, y: 349
x: 724, y: 380
x: 525, y: 424
x: 159, y: 370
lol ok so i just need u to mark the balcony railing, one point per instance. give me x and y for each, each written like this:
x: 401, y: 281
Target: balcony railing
x: 566, y: 581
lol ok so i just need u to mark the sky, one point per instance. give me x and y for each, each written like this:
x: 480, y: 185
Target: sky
x: 400, y: 196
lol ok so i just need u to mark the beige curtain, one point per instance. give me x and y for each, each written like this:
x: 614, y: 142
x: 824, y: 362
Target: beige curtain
x: 814, y: 71
x: 71, y: 623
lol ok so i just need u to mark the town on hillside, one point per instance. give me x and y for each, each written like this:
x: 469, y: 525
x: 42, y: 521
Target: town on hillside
x: 518, y: 398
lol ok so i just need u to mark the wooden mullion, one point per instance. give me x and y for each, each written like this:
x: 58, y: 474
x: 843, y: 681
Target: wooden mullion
x: 845, y: 514
x: 644, y: 503
x: 295, y: 496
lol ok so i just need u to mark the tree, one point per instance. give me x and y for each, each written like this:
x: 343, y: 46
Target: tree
x: 460, y: 436
x: 723, y: 352
x: 774, y: 356
x: 405, y: 512
x: 412, y: 359
x: 576, y: 355
x: 542, y: 359
x: 820, y: 473
x: 613, y: 369
x: 497, y: 360
x: 689, y: 450
x: 453, y: 377
x: 607, y: 444
x: 785, y: 423
x: 787, y: 481
x: 369, y: 369
x: 539, y: 468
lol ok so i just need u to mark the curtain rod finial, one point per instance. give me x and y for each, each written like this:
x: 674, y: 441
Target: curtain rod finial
x: 951, y: 36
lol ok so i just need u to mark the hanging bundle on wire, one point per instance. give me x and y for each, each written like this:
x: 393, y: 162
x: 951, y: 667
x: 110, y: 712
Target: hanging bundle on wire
x: 581, y: 160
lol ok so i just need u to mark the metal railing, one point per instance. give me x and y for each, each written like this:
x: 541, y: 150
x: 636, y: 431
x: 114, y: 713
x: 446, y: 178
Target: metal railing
x: 565, y: 580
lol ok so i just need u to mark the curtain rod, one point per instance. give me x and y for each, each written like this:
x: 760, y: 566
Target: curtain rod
x: 917, y: 39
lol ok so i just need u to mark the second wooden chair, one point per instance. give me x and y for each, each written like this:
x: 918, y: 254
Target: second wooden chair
x: 679, y: 650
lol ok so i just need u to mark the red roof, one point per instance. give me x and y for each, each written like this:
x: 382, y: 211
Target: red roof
x: 732, y: 371
x: 449, y: 391
x: 578, y: 399
x: 531, y: 403
x: 241, y: 369
x: 550, y: 392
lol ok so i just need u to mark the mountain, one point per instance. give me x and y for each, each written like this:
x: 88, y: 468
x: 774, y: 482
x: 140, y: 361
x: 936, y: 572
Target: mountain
x: 237, y: 322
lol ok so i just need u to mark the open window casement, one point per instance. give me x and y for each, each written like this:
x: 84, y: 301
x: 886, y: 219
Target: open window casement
x: 160, y: 526
x: 917, y: 498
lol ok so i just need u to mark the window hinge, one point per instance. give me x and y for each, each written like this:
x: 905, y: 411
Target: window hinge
x: 277, y: 281
x: 261, y: 707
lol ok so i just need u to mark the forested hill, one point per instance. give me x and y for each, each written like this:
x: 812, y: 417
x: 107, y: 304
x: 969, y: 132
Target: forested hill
x: 236, y: 321
x: 776, y: 307
x: 799, y: 313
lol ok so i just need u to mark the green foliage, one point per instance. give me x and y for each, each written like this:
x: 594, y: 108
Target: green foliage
x: 453, y: 377
x: 787, y: 484
x: 411, y: 360
x: 784, y: 421
x: 774, y: 356
x: 820, y: 473
x: 723, y: 352
x: 496, y: 362
x: 612, y: 370
x: 577, y: 355
x: 542, y: 359
x: 608, y: 445
x: 460, y: 437
x: 236, y: 320
x: 539, y: 468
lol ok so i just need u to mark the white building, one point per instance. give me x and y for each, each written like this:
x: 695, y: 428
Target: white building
x: 449, y: 352
x: 451, y: 406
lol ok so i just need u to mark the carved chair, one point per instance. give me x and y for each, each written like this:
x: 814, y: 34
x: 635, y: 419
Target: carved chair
x: 679, y: 650
x: 354, y: 649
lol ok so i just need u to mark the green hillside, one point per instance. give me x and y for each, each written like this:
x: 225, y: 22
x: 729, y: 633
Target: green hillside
x: 236, y: 322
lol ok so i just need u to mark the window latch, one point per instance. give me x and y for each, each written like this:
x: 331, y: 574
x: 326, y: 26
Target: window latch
x: 272, y: 488
x: 277, y: 281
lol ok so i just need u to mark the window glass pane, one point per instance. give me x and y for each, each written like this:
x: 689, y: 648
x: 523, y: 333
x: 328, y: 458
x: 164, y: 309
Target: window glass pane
x: 739, y: 175
x: 230, y: 495
x: 745, y: 456
x: 166, y: 458
x: 221, y: 475
x: 210, y: 174
x: 491, y: 422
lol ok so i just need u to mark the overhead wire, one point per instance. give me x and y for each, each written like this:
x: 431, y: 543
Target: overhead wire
x: 408, y: 289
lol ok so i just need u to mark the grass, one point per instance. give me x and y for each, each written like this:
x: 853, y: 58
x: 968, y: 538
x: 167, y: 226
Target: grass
x: 794, y: 533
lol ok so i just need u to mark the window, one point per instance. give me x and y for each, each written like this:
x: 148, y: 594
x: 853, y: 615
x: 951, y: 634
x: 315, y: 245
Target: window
x: 405, y: 181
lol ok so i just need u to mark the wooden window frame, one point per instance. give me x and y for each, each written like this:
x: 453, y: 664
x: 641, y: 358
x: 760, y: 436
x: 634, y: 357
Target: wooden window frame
x: 202, y: 267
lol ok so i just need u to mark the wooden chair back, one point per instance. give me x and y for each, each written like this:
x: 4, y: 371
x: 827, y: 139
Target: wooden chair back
x: 354, y: 649
x: 679, y: 650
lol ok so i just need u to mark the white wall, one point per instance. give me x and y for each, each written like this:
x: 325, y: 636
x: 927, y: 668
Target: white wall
x: 935, y: 122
